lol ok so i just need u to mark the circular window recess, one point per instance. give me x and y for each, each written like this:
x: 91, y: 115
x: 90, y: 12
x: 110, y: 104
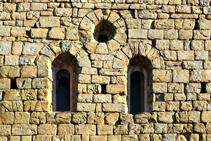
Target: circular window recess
x: 104, y: 31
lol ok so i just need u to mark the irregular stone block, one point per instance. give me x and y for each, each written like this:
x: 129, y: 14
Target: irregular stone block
x: 47, y: 129
x: 107, y: 107
x: 28, y: 71
x: 57, y: 33
x: 39, y: 33
x: 31, y: 48
x: 85, y: 129
x: 7, y: 118
x: 137, y: 33
x: 65, y: 129
x: 5, y: 47
x: 5, y: 130
x: 49, y: 21
x: 41, y: 83
x: 22, y: 117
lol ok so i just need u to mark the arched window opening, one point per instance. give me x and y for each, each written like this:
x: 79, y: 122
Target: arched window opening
x: 63, y: 91
x: 136, y: 92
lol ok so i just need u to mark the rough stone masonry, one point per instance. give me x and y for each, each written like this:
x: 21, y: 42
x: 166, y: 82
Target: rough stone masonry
x: 170, y: 39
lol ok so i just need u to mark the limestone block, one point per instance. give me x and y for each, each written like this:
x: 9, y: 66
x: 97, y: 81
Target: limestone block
x: 129, y: 137
x: 191, y: 96
x: 200, y: 105
x: 102, y: 98
x: 29, y: 23
x: 5, y: 130
x: 31, y: 48
x: 160, y: 128
x: 178, y: 97
x: 12, y: 95
x: 47, y: 129
x: 79, y: 117
x: 199, y: 128
x: 23, y: 83
x: 36, y: 106
x: 86, y: 107
x: 19, y: 31
x: 101, y: 48
x: 159, y: 106
x: 159, y: 87
x: 185, y: 34
x: 22, y: 118
x: 38, y: 118
x: 104, y: 129
x: 137, y: 33
x: 146, y: 24
x: 72, y: 137
x: 39, y: 33
x: 200, y: 75
x: 28, y: 71
x: 7, y: 118
x: 41, y: 83
x: 10, y: 71
x: 118, y: 63
x: 42, y: 137
x: 204, y: 24
x: 170, y: 34
x: 15, y: 138
x: 65, y: 12
x: 11, y: 60
x: 26, y: 60
x: 114, y: 137
x: 193, y: 88
x: 38, y: 6
x: 5, y: 31
x: 84, y: 61
x: 197, y: 45
x: 164, y: 24
x: 57, y: 33
x: 5, y: 48
x: 87, y: 24
x: 192, y: 65
x: 29, y: 94
x: 176, y: 45
x: 98, y: 57
x: 95, y: 118
x: 201, y: 55
x: 85, y: 129
x: 155, y: 34
x: 134, y: 129
x: 173, y: 106
x: 181, y: 76
x: 115, y: 89
x: 100, y: 79
x: 162, y: 75
x: 175, y: 87
x: 194, y: 116
x: 24, y: 129
x: 94, y: 88
x: 4, y: 83
x: 85, y: 98
x: 49, y: 21
x: 201, y: 34
x: 126, y: 118
x: 9, y: 7
x: 84, y: 78
x: 133, y: 23
x: 97, y: 138
x: 186, y: 105
x: 65, y: 129
x: 204, y: 97
x: 22, y: 7
x: 205, y: 116
x: 72, y: 34
x: 111, y: 118
x: 107, y: 107
x: 121, y: 129
x: 83, y: 12
x: 17, y: 48
x: 63, y: 118
x: 166, y: 117
x: 182, y: 117
x: 120, y: 99
x: 26, y: 138
x: 147, y: 14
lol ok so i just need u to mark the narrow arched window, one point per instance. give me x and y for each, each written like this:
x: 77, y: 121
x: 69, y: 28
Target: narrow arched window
x: 63, y: 91
x: 136, y: 92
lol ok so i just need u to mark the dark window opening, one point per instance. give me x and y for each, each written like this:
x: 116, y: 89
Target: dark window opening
x: 103, y: 38
x: 203, y: 87
x: 136, y: 92
x: 103, y: 88
x: 13, y: 84
x: 63, y: 91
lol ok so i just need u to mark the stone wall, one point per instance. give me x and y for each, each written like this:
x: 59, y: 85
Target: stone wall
x: 169, y: 39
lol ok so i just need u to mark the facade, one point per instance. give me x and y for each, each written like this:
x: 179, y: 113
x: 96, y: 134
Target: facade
x: 123, y: 70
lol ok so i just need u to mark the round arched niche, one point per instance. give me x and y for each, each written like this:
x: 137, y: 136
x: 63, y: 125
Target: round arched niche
x: 101, y: 31
x: 104, y: 31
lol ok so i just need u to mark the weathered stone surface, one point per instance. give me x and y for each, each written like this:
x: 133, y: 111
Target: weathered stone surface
x: 85, y: 129
x: 65, y: 129
x: 24, y: 129
x: 49, y: 21
x: 137, y: 33
x: 5, y: 130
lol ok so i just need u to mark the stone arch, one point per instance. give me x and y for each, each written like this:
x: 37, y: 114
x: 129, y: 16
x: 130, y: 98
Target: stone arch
x: 142, y: 54
x: 69, y: 56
